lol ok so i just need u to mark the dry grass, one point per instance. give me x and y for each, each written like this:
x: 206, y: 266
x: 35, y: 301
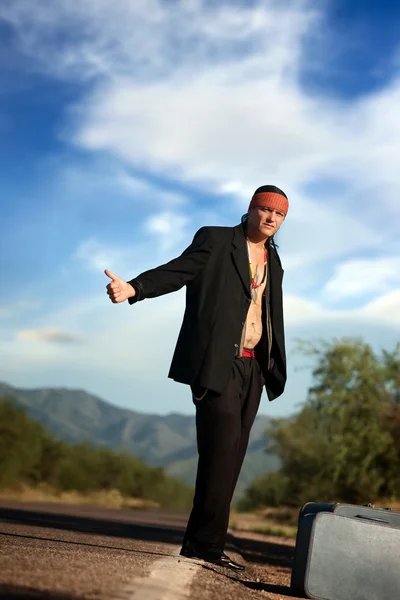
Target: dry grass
x: 281, y: 522
x: 387, y: 503
x: 266, y: 528
x: 282, y: 515
x: 45, y: 493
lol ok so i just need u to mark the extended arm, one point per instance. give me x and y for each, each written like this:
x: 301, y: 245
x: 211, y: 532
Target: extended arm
x: 166, y: 278
x: 174, y: 274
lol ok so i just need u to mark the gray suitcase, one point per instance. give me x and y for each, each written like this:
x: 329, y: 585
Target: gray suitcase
x: 352, y: 559
x: 305, y: 533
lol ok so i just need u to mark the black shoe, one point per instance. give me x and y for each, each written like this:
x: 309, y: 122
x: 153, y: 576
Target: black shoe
x: 193, y: 549
x: 225, y: 561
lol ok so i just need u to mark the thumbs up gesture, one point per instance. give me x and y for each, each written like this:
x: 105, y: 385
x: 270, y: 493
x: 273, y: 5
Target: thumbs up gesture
x: 118, y: 289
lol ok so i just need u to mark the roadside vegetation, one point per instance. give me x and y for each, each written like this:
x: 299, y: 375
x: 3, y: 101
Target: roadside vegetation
x: 273, y: 521
x: 34, y: 464
x: 344, y: 444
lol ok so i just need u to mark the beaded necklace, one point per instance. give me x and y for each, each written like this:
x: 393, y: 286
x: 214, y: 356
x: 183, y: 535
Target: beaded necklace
x: 255, y: 285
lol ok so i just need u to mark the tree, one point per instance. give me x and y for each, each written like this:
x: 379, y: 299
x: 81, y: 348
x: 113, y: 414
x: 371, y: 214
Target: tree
x: 345, y: 442
x: 20, y: 444
x: 350, y: 396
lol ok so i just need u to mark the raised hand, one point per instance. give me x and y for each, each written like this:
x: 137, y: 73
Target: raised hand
x: 118, y: 290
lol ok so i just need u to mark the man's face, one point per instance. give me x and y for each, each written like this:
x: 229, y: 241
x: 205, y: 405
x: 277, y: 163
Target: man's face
x: 265, y: 220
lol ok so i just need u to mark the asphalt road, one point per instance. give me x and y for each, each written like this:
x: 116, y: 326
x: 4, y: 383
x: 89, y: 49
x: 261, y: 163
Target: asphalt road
x: 63, y: 552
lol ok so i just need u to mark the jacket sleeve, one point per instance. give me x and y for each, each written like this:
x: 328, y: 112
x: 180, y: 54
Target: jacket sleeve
x: 174, y: 274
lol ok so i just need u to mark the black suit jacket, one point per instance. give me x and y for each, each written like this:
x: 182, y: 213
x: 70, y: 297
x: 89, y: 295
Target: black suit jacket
x: 215, y: 270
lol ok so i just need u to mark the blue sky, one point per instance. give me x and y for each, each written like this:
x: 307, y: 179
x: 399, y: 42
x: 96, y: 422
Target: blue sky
x: 123, y: 132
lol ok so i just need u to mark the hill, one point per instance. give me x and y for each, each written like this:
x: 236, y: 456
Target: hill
x: 168, y: 441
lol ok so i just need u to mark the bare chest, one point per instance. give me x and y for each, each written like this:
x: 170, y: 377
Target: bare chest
x: 253, y: 327
x: 258, y: 272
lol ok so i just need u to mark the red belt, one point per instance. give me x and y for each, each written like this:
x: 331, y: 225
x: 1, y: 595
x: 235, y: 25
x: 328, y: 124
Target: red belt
x: 248, y: 353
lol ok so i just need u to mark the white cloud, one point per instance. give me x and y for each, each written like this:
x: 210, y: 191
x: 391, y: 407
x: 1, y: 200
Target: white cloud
x: 108, y: 177
x: 151, y: 37
x: 384, y: 310
x: 170, y: 229
x: 298, y: 310
x: 18, y: 307
x: 95, y: 255
x: 356, y: 277
x: 164, y: 222
x: 48, y: 335
x: 206, y: 129
x: 211, y: 93
x: 314, y: 233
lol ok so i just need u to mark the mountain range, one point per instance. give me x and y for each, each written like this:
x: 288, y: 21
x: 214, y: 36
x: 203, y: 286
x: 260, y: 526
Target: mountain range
x: 168, y: 441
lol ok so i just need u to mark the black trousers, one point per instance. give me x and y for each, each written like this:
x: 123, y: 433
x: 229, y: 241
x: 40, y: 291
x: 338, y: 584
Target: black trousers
x: 223, y: 424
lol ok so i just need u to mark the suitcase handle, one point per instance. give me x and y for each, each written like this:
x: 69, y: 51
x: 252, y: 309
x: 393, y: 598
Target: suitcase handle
x: 372, y: 519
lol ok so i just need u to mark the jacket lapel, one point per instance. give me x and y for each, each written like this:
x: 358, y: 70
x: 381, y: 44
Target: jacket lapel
x: 240, y: 256
x: 276, y: 275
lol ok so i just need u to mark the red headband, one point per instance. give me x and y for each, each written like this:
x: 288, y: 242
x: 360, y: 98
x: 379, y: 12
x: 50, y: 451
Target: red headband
x: 270, y: 199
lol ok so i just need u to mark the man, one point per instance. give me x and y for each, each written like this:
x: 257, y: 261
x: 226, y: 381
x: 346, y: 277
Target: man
x: 231, y: 345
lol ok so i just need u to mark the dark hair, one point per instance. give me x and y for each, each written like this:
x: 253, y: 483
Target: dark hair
x: 269, y: 188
